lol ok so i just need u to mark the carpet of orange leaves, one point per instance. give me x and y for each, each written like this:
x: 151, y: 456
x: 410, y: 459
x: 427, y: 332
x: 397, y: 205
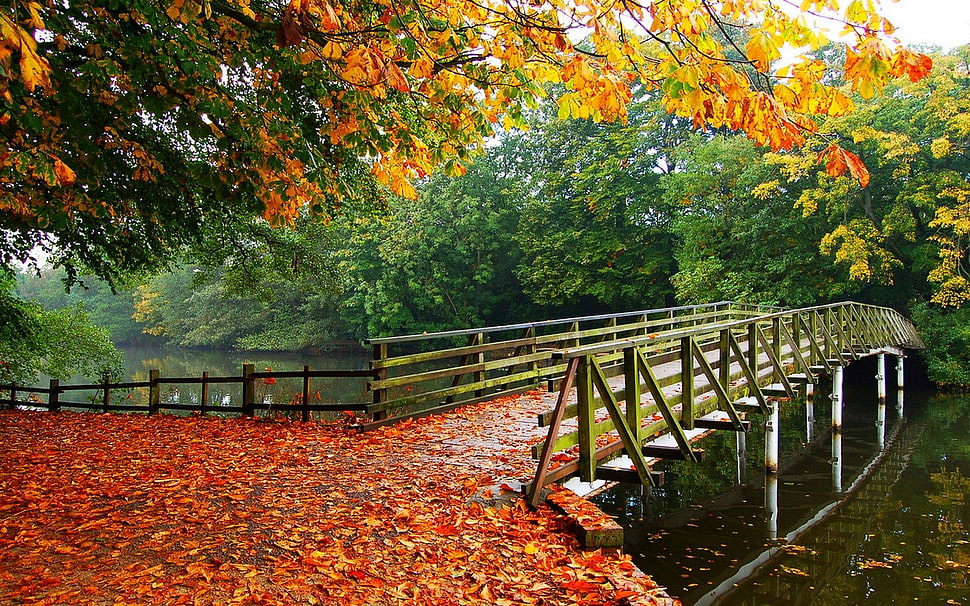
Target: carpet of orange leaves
x: 129, y: 509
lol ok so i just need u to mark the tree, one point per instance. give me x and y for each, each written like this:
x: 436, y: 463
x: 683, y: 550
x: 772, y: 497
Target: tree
x: 111, y: 310
x: 594, y: 231
x: 59, y: 343
x: 442, y: 261
x: 134, y: 130
x: 739, y: 236
x: 901, y: 233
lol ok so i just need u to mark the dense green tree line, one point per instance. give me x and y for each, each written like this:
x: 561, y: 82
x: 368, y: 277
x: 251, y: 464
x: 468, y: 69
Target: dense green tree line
x: 571, y: 216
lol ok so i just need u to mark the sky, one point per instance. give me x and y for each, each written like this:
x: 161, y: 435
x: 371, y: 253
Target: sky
x: 944, y: 23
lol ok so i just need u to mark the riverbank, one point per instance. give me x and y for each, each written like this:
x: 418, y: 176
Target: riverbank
x: 108, y: 509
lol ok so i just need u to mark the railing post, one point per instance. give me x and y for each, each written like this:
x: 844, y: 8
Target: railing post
x: 753, y: 346
x: 530, y: 348
x: 53, y: 398
x: 305, y: 413
x: 830, y: 342
x: 687, y: 383
x: 154, y: 391
x: 204, y: 404
x: 13, y: 395
x: 478, y: 358
x: 107, y: 393
x: 776, y: 340
x: 380, y: 374
x: 587, y: 420
x: 248, y: 390
x: 724, y: 361
x: 813, y: 335
x: 631, y: 374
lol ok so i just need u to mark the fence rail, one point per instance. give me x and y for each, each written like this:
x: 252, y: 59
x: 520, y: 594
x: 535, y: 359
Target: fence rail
x: 118, y: 397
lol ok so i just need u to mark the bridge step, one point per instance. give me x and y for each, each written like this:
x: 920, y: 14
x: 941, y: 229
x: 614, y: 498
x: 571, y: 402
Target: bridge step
x: 746, y: 404
x: 724, y: 425
x: 800, y: 377
x: 817, y: 370
x: 672, y: 452
x: 626, y: 476
x: 775, y: 389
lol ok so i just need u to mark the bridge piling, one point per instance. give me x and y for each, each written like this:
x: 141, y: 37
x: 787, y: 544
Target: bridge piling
x: 771, y: 506
x: 881, y: 378
x: 742, y: 452
x: 809, y: 412
x: 772, y: 437
x: 899, y: 386
x: 837, y: 377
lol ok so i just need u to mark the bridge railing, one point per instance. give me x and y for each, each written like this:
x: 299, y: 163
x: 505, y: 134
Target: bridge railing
x: 421, y: 374
x: 680, y: 375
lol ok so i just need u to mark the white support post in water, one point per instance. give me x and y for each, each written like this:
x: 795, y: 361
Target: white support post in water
x: 837, y: 399
x: 772, y: 437
x: 881, y: 378
x: 742, y: 471
x: 899, y: 386
x: 771, y: 506
x: 881, y: 425
x: 809, y: 412
x: 837, y: 429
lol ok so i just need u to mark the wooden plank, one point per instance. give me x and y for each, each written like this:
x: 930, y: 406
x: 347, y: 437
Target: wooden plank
x: 627, y: 476
x: 725, y: 425
x: 671, y: 452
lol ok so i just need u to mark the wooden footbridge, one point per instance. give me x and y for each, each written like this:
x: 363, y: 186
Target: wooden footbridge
x: 688, y: 370
x: 644, y: 383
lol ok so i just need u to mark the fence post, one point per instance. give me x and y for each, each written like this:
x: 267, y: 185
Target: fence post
x: 154, y: 391
x: 53, y: 403
x: 305, y: 413
x: 107, y: 393
x: 13, y: 395
x: 248, y: 390
x: 380, y: 374
x: 205, y: 393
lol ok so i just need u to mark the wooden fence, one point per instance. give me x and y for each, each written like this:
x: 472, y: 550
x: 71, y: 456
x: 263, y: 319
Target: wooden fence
x: 117, y: 397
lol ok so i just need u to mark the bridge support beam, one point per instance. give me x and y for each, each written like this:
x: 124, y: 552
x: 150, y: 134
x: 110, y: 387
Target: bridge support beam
x: 772, y: 437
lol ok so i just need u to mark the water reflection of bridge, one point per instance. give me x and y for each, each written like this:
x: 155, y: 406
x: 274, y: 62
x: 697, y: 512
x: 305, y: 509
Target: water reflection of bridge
x: 818, y: 549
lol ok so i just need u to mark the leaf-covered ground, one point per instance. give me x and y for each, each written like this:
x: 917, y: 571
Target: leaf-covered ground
x: 128, y: 509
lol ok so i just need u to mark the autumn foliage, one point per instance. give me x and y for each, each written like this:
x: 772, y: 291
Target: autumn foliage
x: 108, y: 509
x: 181, y: 109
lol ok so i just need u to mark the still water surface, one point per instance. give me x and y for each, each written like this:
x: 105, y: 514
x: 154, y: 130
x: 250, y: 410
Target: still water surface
x: 896, y: 532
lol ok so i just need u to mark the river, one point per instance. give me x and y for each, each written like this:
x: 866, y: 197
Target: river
x: 891, y: 528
